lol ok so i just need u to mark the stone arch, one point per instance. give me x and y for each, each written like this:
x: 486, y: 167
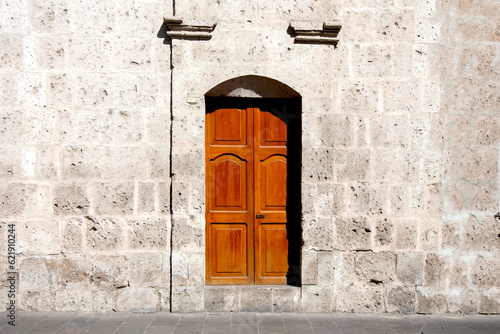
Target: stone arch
x: 253, y: 86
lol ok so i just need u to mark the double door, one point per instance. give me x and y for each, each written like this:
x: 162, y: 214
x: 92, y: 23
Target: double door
x: 246, y: 196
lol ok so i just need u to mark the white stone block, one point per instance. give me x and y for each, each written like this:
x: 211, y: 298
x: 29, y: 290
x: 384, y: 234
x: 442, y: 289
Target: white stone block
x: 31, y: 89
x: 429, y: 31
x: 15, y: 16
x: 29, y: 52
x: 420, y: 54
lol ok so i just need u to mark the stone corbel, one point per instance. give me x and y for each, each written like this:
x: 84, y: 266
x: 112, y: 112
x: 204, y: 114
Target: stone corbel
x: 175, y: 29
x: 308, y: 33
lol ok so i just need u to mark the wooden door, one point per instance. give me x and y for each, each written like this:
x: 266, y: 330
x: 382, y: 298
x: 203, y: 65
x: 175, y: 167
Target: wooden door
x: 246, y: 193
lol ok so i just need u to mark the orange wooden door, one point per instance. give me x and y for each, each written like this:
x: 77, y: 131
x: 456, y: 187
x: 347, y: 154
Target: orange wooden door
x: 246, y: 195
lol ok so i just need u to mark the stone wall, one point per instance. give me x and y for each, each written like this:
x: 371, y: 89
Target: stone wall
x: 85, y: 175
x: 469, y: 244
x: 414, y: 186
x: 400, y: 163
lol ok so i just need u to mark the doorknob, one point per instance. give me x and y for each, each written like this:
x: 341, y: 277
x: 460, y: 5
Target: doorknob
x: 260, y: 216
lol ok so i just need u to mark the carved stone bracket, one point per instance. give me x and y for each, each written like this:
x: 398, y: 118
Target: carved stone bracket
x: 175, y: 29
x: 307, y: 33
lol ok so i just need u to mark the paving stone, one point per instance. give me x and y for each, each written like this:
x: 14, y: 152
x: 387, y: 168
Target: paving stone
x: 238, y: 329
x: 159, y: 330
x: 165, y: 319
x: 321, y: 320
x: 216, y: 330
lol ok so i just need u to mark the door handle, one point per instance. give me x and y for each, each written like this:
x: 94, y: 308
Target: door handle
x: 260, y: 216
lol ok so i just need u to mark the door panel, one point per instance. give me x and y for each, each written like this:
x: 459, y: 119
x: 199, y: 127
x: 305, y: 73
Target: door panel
x: 273, y: 184
x: 229, y: 183
x: 273, y: 241
x: 274, y: 130
x: 229, y: 127
x: 230, y: 241
x: 246, y: 177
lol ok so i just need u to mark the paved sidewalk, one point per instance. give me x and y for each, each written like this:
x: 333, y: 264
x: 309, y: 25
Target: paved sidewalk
x: 246, y: 323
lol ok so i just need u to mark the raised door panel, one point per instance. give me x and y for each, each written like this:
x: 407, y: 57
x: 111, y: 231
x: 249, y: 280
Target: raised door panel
x: 273, y: 129
x: 272, y: 250
x: 230, y: 249
x: 228, y: 188
x: 229, y: 127
x: 272, y: 187
x: 274, y: 238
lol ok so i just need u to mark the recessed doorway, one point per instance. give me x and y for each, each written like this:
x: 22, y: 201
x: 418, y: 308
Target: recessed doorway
x: 253, y: 231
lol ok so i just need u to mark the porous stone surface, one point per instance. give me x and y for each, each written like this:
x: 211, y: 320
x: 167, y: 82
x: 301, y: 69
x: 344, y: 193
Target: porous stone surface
x: 102, y: 139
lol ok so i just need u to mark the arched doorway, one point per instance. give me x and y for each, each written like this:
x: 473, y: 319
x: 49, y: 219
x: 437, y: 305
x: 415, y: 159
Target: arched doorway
x: 253, y: 135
